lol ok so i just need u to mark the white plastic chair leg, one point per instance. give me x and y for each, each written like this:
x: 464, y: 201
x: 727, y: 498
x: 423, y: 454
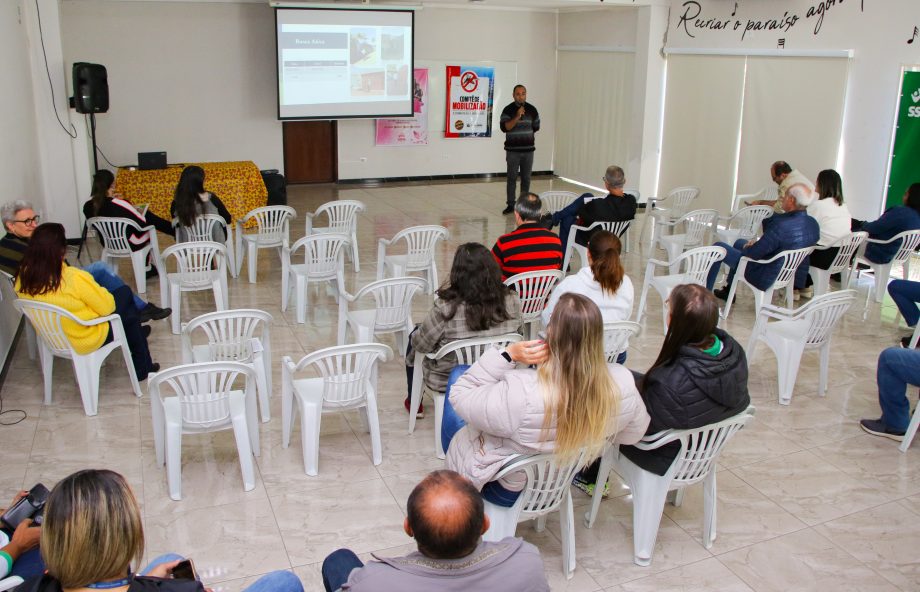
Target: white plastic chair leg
x: 88, y: 383
x: 373, y: 426
x: 300, y: 298
x: 262, y: 388
x: 174, y: 456
x: 139, y: 265
x: 31, y: 341
x: 567, y: 534
x: 647, y: 510
x: 251, y: 261
x: 823, y: 366
x: 882, y: 272
x: 438, y: 417
x: 603, y: 475
x: 47, y: 361
x: 788, y: 359
x: 175, y: 301
x: 911, y: 430
x: 310, y: 422
x: 287, y: 408
x: 642, y: 300
x: 709, y: 509
x: 242, y: 434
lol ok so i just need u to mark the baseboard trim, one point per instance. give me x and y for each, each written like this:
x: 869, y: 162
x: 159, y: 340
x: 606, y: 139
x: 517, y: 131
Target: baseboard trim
x: 384, y: 180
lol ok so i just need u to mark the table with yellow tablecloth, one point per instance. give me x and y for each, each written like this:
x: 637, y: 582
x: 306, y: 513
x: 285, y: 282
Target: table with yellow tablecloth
x: 238, y: 184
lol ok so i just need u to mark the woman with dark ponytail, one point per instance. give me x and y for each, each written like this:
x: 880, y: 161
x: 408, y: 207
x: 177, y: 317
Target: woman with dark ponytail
x: 106, y: 203
x: 604, y: 281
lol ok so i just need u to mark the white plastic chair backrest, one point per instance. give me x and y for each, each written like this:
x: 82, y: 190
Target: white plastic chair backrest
x: 195, y: 261
x: 202, y: 229
x: 342, y: 214
x: 553, y: 201
x: 392, y: 299
x: 679, y: 200
x: 420, y: 242
x: 114, y: 232
x: 322, y: 253
x: 700, y: 448
x: 616, y: 338
x: 823, y: 313
x: 910, y: 240
x: 696, y: 263
x: 346, y: 370
x: 696, y: 224
x: 747, y: 220
x: 534, y: 288
x: 791, y: 261
x: 273, y: 222
x: 203, y: 390
x: 617, y: 228
x: 470, y: 350
x: 47, y: 320
x: 229, y: 333
x: 548, y: 481
x: 848, y: 245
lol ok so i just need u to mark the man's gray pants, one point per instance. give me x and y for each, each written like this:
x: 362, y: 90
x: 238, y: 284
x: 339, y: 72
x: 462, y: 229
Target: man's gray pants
x: 524, y: 162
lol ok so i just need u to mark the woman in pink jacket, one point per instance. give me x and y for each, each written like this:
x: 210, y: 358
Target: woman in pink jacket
x: 573, y: 400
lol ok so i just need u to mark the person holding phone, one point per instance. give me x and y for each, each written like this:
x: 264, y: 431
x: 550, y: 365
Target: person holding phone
x: 93, y: 533
x: 19, y: 554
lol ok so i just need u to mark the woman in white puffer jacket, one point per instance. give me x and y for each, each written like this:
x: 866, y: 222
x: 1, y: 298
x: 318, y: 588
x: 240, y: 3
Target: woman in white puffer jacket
x: 573, y: 400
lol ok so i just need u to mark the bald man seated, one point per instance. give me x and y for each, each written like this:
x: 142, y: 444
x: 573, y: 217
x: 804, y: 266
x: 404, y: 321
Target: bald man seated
x: 445, y: 516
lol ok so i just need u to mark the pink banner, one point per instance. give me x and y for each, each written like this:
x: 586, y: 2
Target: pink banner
x: 410, y: 131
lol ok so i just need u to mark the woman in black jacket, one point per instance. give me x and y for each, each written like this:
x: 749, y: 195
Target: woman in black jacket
x: 106, y: 203
x: 699, y: 378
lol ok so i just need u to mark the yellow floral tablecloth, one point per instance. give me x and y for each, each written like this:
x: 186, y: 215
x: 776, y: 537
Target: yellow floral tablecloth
x: 238, y: 184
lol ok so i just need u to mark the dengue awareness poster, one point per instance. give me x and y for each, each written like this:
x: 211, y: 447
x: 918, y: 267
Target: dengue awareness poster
x: 469, y: 102
x: 410, y: 131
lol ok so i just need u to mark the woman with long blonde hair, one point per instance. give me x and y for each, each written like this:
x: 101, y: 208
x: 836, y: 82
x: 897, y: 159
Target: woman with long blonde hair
x: 574, y: 400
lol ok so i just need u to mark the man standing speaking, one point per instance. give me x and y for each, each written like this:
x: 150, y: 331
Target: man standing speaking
x: 519, y: 121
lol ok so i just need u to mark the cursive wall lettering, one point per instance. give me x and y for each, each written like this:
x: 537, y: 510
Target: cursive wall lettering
x: 693, y: 19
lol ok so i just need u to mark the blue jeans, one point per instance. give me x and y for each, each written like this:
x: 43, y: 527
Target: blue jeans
x: 897, y: 367
x: 732, y: 258
x: 336, y: 568
x: 522, y: 161
x: 451, y: 423
x: 567, y: 216
x: 106, y: 278
x: 276, y: 581
x: 27, y: 565
x: 906, y: 294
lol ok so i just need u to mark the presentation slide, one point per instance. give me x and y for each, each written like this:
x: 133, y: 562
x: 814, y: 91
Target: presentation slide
x: 342, y: 63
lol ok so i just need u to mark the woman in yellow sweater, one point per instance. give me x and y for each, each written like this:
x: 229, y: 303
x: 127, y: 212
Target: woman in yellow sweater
x: 44, y: 276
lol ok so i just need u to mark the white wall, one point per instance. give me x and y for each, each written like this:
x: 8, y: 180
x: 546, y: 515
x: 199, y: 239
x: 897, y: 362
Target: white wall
x: 877, y: 32
x: 194, y: 79
x: 459, y: 37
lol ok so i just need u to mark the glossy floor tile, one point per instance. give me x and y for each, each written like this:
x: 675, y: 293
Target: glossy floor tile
x: 807, y: 501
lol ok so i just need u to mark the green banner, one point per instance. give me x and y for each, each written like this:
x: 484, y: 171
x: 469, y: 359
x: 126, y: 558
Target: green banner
x: 905, y: 154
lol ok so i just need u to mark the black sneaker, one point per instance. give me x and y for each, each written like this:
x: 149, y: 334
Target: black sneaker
x: 721, y: 293
x: 546, y: 221
x: 905, y: 342
x: 507, y: 210
x: 152, y: 312
x: 146, y: 330
x: 877, y: 427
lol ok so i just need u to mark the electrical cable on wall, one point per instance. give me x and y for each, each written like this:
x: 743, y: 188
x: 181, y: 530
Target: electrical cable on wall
x: 86, y: 125
x: 41, y: 36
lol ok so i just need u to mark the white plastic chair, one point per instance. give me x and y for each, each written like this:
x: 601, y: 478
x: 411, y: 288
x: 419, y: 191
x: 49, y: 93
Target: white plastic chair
x: 692, y: 268
x: 553, y: 201
x: 114, y: 233
x: 202, y: 230
x: 241, y: 335
x: 770, y: 192
x: 200, y: 266
x: 273, y: 232
x: 745, y: 223
x: 847, y: 245
x: 347, y: 380
x: 467, y: 352
x: 420, y: 244
x: 617, y: 228
x: 616, y: 338
x: 202, y: 398
x: 696, y: 225
x: 322, y: 263
x: 696, y: 461
x: 392, y: 311
x: 343, y: 219
x: 8, y: 292
x: 47, y: 320
x: 909, y: 241
x: 548, y: 489
x: 533, y: 288
x: 678, y: 202
x: 790, y: 263
x: 915, y: 418
x: 808, y: 328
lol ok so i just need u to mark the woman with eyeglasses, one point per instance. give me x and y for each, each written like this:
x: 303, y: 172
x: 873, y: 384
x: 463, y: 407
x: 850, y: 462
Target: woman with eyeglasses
x: 44, y: 276
x: 93, y: 539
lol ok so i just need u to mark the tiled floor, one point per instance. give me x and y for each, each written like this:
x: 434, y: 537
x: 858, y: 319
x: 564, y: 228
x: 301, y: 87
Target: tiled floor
x: 806, y: 500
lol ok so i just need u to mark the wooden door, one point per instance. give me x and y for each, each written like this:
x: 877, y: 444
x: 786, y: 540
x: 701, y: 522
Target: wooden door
x: 310, y: 152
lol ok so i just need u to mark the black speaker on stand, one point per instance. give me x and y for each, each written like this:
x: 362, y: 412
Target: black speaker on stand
x: 90, y: 95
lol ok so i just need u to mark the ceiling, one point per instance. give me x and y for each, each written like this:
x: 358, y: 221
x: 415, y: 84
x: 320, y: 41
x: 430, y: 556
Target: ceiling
x: 478, y: 4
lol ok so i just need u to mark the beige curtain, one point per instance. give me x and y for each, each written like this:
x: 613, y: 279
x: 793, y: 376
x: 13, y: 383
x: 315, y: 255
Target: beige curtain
x: 594, y: 102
